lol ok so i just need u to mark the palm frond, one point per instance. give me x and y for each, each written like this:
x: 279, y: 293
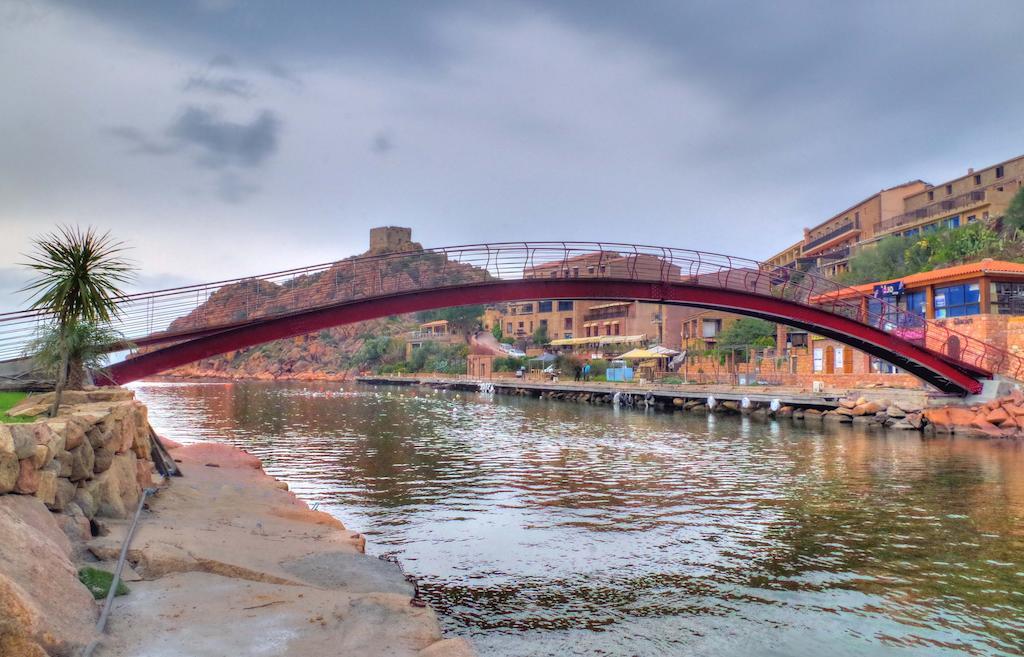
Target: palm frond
x: 80, y: 274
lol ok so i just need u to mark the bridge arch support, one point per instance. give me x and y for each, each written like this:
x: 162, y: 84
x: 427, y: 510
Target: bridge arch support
x: 940, y: 371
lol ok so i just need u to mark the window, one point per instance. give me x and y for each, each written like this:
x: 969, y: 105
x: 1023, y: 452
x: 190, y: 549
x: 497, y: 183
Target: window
x: 567, y: 324
x: 972, y: 218
x: 615, y: 328
x: 520, y: 325
x: 575, y: 274
x: 543, y: 306
x: 544, y: 324
x: 912, y: 232
x: 819, y: 359
x: 977, y: 179
x: 568, y: 336
x: 509, y: 327
x: 915, y: 302
x: 838, y: 364
x: 565, y: 305
x: 999, y: 172
x: 526, y: 309
x: 957, y: 300
x: 953, y: 222
x: 931, y: 195
x: 949, y: 190
x: 1010, y: 298
x: 711, y: 328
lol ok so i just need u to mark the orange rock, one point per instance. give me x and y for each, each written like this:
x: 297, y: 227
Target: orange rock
x: 1016, y: 410
x: 997, y: 416
x: 938, y: 416
x: 960, y: 416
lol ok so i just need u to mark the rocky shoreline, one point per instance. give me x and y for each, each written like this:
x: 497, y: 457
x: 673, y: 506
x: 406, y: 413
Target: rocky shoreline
x: 225, y: 559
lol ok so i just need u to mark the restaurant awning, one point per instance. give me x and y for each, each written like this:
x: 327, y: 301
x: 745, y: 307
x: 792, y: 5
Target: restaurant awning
x: 638, y: 354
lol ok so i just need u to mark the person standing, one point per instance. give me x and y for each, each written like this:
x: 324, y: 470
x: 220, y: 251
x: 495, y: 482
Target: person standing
x: 586, y: 372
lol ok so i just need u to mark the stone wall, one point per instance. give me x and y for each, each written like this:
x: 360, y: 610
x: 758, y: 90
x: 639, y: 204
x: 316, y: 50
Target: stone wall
x: 93, y: 459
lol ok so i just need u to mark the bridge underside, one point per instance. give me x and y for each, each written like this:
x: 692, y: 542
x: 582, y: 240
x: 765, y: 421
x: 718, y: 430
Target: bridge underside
x: 935, y: 369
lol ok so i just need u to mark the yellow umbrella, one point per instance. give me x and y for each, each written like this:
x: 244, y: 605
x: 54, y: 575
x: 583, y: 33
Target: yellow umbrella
x: 638, y: 354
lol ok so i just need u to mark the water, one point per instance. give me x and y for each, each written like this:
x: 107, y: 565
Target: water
x: 549, y: 528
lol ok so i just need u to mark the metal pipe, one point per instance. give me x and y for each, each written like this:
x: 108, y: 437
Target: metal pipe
x: 101, y: 624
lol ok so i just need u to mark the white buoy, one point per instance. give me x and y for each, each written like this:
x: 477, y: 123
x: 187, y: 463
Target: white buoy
x: 712, y: 402
x: 775, y: 405
x: 745, y: 402
x: 617, y: 399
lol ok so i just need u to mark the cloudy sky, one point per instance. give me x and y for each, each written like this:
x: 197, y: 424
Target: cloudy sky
x: 222, y: 138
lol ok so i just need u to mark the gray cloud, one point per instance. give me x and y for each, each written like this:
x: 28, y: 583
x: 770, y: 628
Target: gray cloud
x: 226, y: 86
x: 222, y: 142
x: 140, y: 143
x: 382, y: 143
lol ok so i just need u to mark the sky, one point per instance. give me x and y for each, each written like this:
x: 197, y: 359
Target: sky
x: 221, y: 138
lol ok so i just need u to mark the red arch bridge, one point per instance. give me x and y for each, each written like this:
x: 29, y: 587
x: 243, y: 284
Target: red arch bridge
x: 169, y: 328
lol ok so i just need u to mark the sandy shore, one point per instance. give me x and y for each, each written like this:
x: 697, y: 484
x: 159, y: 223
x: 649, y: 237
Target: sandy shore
x: 228, y: 562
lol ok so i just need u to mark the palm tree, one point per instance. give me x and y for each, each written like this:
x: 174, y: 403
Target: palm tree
x: 78, y: 283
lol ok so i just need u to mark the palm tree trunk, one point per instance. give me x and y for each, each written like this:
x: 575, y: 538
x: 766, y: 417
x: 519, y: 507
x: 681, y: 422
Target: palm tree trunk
x: 62, y: 377
x: 76, y: 373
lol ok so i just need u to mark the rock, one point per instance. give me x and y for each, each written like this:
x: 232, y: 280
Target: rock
x: 895, y: 412
x: 116, y: 491
x: 46, y: 491
x: 6, y: 440
x: 902, y: 425
x: 74, y: 524
x: 1016, y: 410
x: 847, y: 403
x: 915, y: 420
x: 861, y: 401
x: 997, y: 416
x: 10, y: 468
x: 20, y: 646
x: 809, y: 412
x: 798, y: 414
x: 99, y: 437
x: 867, y: 408
x: 40, y: 596
x: 83, y: 459
x: 959, y: 416
x: 28, y: 478
x: 731, y: 406
x: 41, y: 456
x: 985, y: 427
x: 677, y: 402
x: 1017, y: 397
x: 63, y: 495
x: 85, y: 501
x: 843, y: 410
x: 449, y: 648
x: 24, y: 438
x: 836, y: 416
x: 64, y: 459
x: 104, y: 456
x: 991, y: 405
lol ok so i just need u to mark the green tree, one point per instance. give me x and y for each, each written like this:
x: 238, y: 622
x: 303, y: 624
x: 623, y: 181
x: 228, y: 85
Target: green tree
x: 90, y: 344
x: 1014, y: 217
x: 743, y: 334
x: 497, y: 332
x: 78, y: 281
x: 540, y: 335
x: 884, y: 261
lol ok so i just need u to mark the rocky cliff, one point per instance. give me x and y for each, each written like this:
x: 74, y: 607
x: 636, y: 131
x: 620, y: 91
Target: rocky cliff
x: 326, y: 355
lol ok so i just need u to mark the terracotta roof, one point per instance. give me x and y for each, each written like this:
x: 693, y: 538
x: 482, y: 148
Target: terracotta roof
x: 987, y: 266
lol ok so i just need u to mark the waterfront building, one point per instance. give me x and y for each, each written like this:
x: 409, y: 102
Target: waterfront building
x: 830, y: 244
x: 977, y: 196
x: 436, y: 331
x: 787, y: 257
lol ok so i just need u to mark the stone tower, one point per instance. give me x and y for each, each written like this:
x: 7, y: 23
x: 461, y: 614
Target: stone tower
x: 392, y: 239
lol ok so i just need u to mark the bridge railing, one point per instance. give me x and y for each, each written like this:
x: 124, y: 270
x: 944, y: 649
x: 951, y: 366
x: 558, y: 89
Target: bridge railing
x: 179, y: 313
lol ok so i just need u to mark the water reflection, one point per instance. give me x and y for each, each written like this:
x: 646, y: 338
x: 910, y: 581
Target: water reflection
x: 545, y: 528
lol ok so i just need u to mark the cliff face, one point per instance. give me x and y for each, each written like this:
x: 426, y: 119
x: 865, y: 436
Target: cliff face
x: 325, y: 355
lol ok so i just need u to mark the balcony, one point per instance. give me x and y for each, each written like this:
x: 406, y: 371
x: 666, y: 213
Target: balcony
x: 606, y: 312
x: 932, y: 209
x: 838, y: 254
x: 830, y: 236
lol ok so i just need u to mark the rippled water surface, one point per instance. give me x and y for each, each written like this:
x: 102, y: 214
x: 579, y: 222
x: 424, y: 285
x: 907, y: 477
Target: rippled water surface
x: 549, y: 528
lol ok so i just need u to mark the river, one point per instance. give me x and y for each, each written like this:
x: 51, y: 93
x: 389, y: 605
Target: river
x: 552, y: 528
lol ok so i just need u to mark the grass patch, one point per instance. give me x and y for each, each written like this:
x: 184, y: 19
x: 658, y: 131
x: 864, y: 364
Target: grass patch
x: 9, y: 400
x: 98, y: 582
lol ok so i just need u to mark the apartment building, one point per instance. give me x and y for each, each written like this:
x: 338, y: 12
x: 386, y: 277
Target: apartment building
x: 977, y: 196
x: 830, y: 244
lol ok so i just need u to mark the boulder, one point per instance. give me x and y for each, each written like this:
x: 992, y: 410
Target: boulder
x: 915, y: 420
x: 64, y: 494
x: 10, y: 468
x: 41, y: 457
x: 867, y: 408
x: 46, y: 491
x: 677, y: 402
x: 1016, y: 410
x: 28, y: 478
x: 85, y: 501
x: 959, y: 416
x: 997, y: 416
x: 83, y: 459
x: 23, y: 437
x: 847, y: 403
x: 104, y: 456
x: 40, y: 595
x: 6, y: 440
x: 895, y: 412
x: 902, y: 425
x: 64, y: 459
x: 116, y: 491
x: 843, y: 410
